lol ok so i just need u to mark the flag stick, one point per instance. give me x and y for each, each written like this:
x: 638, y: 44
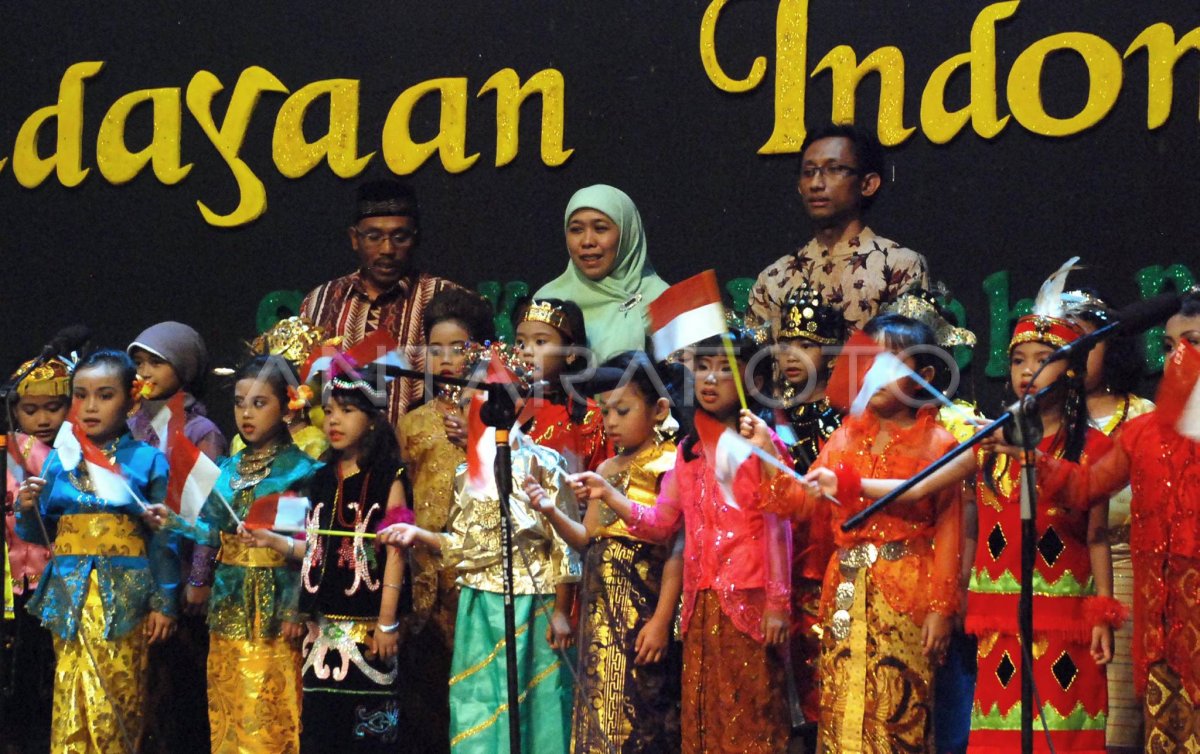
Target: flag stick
x: 228, y: 507
x: 733, y: 367
x: 339, y: 533
x: 768, y: 458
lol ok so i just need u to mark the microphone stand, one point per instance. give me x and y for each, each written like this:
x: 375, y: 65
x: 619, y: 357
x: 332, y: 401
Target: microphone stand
x: 1023, y: 417
x: 500, y: 412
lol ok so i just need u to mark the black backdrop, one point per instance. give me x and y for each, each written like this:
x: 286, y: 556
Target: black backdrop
x: 641, y: 114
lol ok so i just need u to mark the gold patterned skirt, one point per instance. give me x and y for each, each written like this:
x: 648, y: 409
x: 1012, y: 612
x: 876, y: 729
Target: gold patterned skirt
x: 253, y: 696
x: 98, y: 704
x: 876, y: 684
x: 618, y: 704
x: 734, y: 688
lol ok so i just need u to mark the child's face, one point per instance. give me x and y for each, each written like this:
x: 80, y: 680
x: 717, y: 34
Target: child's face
x: 41, y: 415
x: 103, y: 402
x: 799, y: 361
x: 899, y: 396
x: 259, y: 415
x: 164, y: 382
x: 629, y: 418
x: 447, y: 349
x: 345, y: 425
x: 1182, y: 329
x: 544, y: 348
x: 716, y: 392
x: 1025, y: 360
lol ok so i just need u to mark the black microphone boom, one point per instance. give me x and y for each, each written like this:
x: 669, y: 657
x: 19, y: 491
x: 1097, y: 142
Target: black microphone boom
x: 70, y: 338
x: 1132, y: 319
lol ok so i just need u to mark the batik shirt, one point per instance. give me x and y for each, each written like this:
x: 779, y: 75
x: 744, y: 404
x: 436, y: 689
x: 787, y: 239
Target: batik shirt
x: 855, y: 277
x: 345, y: 309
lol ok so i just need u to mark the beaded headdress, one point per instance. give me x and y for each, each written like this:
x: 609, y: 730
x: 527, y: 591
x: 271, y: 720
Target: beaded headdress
x: 51, y: 377
x: 805, y: 315
x: 368, y: 379
x: 502, y: 362
x: 1048, y: 323
x: 293, y: 338
x: 547, y: 313
x: 923, y: 306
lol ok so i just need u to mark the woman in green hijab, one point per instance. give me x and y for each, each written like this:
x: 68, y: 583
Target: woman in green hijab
x: 609, y: 276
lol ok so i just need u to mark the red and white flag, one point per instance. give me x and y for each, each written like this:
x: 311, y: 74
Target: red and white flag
x: 193, y: 474
x: 379, y: 347
x: 481, y: 448
x: 686, y: 313
x: 75, y: 447
x: 850, y: 370
x: 729, y: 454
x: 281, y: 512
x: 1178, y: 401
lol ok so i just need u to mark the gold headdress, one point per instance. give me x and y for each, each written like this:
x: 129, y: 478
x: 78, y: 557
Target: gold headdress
x: 923, y: 306
x: 547, y: 313
x: 805, y: 315
x: 1048, y: 323
x: 51, y: 377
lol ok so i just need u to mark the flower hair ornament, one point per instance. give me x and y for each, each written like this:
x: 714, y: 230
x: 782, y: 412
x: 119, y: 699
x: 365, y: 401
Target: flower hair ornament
x: 141, y: 389
x: 299, y: 398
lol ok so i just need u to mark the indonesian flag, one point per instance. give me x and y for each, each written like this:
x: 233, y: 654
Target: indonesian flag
x: 850, y: 370
x: 481, y: 448
x: 729, y: 455
x: 282, y: 512
x: 193, y: 474
x: 1178, y: 401
x: 379, y: 347
x: 885, y: 369
x: 75, y: 447
x: 686, y: 313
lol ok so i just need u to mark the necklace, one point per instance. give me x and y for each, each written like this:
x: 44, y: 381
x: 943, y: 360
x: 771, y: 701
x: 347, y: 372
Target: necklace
x: 253, y: 467
x: 79, y: 476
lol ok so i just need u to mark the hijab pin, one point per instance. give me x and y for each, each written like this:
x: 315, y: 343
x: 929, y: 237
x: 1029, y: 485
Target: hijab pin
x: 632, y: 302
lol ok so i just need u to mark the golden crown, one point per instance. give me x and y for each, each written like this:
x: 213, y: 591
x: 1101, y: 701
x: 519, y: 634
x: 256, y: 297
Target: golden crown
x: 544, y: 311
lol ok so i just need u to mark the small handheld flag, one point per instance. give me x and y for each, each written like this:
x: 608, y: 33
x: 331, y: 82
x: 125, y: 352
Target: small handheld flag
x: 283, y: 512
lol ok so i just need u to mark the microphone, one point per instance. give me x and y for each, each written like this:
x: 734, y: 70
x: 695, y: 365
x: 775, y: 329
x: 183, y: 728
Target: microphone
x: 1134, y: 318
x: 70, y: 338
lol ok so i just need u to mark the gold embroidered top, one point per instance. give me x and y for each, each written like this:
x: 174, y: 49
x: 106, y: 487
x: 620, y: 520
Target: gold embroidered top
x: 431, y: 460
x: 640, y: 483
x: 542, y: 559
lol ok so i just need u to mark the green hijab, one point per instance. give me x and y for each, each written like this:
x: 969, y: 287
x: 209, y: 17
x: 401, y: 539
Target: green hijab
x: 614, y: 307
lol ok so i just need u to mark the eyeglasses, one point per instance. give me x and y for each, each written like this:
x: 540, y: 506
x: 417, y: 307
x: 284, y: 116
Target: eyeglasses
x: 376, y: 237
x: 808, y: 172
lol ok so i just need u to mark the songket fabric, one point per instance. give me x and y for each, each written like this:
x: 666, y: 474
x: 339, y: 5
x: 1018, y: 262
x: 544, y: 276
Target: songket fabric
x: 253, y: 674
x: 479, y: 677
x: 99, y: 684
x: 1172, y: 720
x: 733, y: 687
x: 109, y: 573
x: 1071, y: 685
x: 253, y: 695
x: 620, y: 706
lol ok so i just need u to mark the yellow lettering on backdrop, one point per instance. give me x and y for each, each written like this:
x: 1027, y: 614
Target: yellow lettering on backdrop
x: 29, y: 167
x: 295, y: 156
x: 228, y: 138
x: 708, y: 55
x: 791, y: 64
x: 510, y: 93
x: 117, y: 164
x: 403, y: 155
x: 1025, y: 83
x: 888, y: 62
x: 1162, y: 53
x: 940, y: 125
